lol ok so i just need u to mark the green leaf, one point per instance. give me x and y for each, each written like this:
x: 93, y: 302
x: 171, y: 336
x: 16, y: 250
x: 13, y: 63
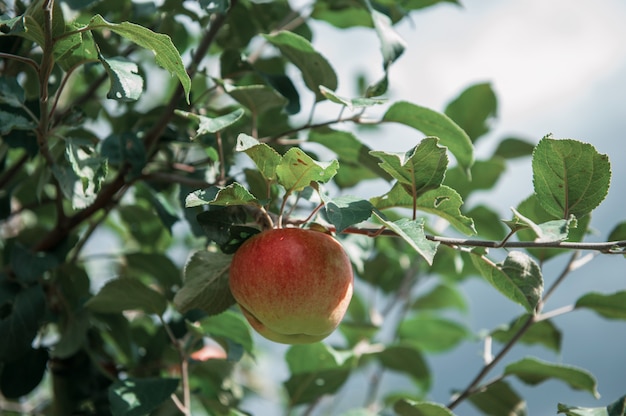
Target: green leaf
x: 391, y: 44
x: 484, y: 174
x: 11, y: 92
x: 210, y: 125
x: 23, y: 309
x: 205, y: 284
x: 443, y: 201
x: 499, y: 399
x: 351, y: 103
x: 126, y: 83
x: 441, y: 296
x: 157, y: 266
x: 432, y: 123
x: 124, y: 148
x: 90, y: 168
x: 309, y: 358
x: 487, y: 222
x: 584, y: 411
x: 618, y: 233
x: 316, y: 370
x: 474, y: 110
x: 406, y: 407
x: 14, y: 121
x: 533, y: 371
x: 233, y: 194
x: 350, y: 151
x: 418, y: 170
x: 124, y: 294
x: 264, y: 157
x: 28, y: 266
x: 540, y: 333
x: 570, y: 177
x: 140, y: 396
x: 518, y: 278
x: 22, y: 375
x: 511, y: 148
x: 412, y: 231
x: 161, y: 46
x: 406, y: 359
x: 297, y: 170
x: 75, y: 49
x: 257, y: 98
x: 609, y: 306
x: 74, y: 335
x: 230, y: 325
x: 316, y: 71
x: 346, y: 210
x: 532, y: 209
x: 549, y: 231
x: 432, y: 333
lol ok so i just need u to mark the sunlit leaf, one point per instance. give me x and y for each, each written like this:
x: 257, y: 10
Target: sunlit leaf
x: 208, y: 125
x: 418, y: 170
x: 412, y: 231
x: 126, y: 83
x: 165, y: 53
x: 570, y: 177
x: 442, y: 201
x: 432, y: 123
x: 351, y: 103
x: 297, y: 170
x: 233, y: 194
x: 265, y: 158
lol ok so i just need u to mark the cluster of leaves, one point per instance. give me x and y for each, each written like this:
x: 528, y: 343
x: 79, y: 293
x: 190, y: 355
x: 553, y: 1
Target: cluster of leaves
x: 90, y: 147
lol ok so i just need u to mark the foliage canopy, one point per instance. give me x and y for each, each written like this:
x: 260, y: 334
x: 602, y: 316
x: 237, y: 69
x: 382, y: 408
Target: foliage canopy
x: 161, y: 128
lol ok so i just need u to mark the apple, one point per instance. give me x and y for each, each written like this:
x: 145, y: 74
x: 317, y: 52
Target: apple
x: 293, y: 285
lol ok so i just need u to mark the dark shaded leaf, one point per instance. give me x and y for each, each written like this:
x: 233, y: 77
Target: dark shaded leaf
x: 205, y: 284
x: 138, y: 397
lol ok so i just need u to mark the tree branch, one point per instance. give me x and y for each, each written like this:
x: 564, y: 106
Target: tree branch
x: 607, y: 247
x: 473, y: 386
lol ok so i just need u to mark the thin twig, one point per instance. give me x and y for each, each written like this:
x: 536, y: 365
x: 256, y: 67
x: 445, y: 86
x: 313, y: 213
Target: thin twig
x: 473, y: 386
x: 185, y: 406
x: 607, y: 247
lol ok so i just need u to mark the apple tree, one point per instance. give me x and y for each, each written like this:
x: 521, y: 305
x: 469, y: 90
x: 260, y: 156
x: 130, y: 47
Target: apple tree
x: 143, y: 144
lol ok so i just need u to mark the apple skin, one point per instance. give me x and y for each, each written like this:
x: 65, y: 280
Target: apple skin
x: 293, y: 285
